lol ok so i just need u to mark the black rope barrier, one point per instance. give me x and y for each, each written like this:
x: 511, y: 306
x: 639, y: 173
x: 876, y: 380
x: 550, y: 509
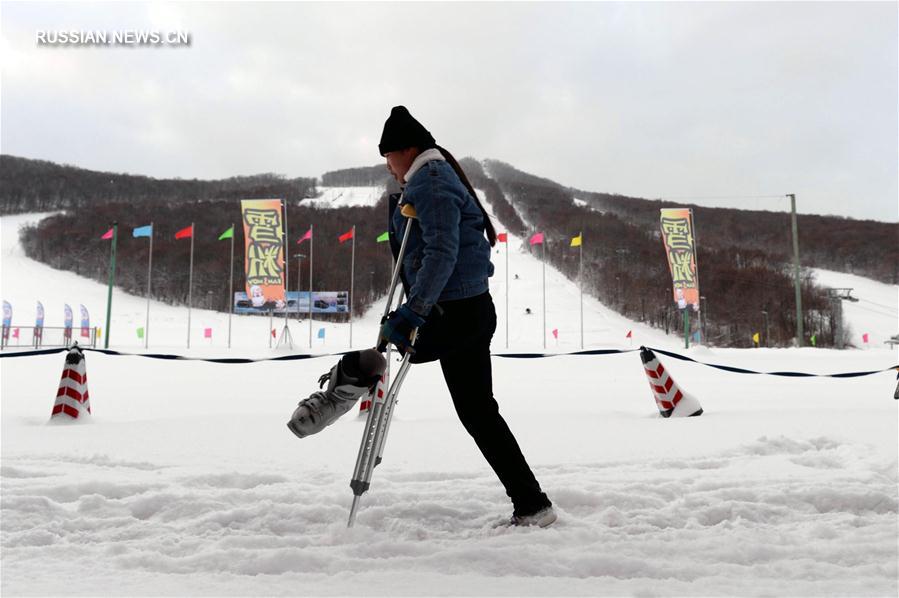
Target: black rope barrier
x: 587, y: 352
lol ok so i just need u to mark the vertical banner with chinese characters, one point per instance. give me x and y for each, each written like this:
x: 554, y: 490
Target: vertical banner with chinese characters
x: 264, y: 241
x: 677, y: 234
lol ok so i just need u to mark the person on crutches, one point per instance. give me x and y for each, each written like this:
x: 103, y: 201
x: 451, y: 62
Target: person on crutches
x: 444, y: 271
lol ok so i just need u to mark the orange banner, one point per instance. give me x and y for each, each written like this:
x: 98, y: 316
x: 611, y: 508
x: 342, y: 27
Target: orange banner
x: 678, y: 237
x: 264, y: 258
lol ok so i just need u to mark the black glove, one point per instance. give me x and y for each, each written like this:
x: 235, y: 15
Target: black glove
x: 398, y: 328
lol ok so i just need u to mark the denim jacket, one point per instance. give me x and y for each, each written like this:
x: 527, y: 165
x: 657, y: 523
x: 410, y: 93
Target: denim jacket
x: 447, y: 255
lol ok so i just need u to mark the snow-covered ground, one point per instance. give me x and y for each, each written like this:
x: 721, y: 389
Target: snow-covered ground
x: 876, y: 312
x: 345, y: 197
x: 188, y: 483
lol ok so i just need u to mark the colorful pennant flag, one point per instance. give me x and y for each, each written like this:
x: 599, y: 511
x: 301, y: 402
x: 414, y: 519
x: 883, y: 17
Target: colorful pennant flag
x: 307, y: 236
x: 630, y: 334
x: 865, y: 337
x: 185, y: 233
x: 274, y: 334
x: 228, y: 234
x: 696, y: 337
x: 576, y: 241
x: 143, y: 231
x: 346, y: 236
x: 537, y: 239
x: 15, y: 333
x: 556, y: 333
x: 385, y: 236
x: 755, y: 338
x: 321, y: 333
x: 502, y: 237
x: 140, y: 332
x: 814, y: 340
x: 207, y: 333
x: 107, y: 235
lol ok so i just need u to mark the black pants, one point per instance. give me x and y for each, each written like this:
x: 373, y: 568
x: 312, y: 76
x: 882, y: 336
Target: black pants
x: 458, y: 333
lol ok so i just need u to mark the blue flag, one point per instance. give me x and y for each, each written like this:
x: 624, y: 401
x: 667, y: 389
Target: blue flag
x: 143, y: 231
x: 321, y: 333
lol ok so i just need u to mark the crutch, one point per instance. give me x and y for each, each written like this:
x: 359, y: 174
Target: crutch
x: 380, y: 410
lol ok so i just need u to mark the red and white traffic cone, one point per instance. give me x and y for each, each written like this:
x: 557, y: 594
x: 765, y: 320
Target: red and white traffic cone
x: 671, y: 400
x: 377, y: 395
x: 72, y: 399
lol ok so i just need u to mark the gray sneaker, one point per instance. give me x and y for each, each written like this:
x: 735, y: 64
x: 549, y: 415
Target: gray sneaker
x: 353, y: 376
x: 542, y: 518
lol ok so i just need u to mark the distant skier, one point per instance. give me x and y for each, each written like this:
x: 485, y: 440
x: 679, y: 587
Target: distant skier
x: 444, y: 275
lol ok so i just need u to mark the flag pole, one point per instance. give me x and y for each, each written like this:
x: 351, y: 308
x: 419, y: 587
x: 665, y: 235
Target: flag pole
x: 543, y: 245
x: 507, y: 291
x: 581, y: 278
x: 352, y: 276
x: 149, y: 278
x: 311, y: 240
x: 231, y: 287
x: 286, y: 271
x: 190, y: 282
x: 285, y: 332
x: 115, y: 231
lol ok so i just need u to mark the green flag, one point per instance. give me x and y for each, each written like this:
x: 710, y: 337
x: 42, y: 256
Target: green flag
x: 140, y: 332
x: 228, y: 234
x: 383, y: 237
x: 813, y: 339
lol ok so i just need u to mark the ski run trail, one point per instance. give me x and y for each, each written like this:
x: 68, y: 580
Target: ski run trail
x: 187, y: 483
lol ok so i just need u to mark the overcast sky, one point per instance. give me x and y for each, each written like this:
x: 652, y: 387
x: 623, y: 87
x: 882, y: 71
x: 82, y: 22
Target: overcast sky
x: 673, y: 100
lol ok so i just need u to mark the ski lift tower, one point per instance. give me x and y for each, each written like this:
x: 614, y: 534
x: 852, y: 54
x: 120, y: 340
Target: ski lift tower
x: 837, y: 296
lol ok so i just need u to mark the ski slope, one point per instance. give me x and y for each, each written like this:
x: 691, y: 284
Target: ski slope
x: 187, y: 482
x: 346, y: 197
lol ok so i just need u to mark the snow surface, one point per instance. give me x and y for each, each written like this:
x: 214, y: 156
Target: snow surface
x: 876, y: 312
x: 186, y: 482
x: 345, y: 197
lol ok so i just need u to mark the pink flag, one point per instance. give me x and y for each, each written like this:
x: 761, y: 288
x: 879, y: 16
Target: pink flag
x: 629, y: 334
x: 107, y: 235
x: 308, y: 235
x: 537, y: 239
x: 207, y: 333
x: 556, y: 333
x: 865, y: 337
x: 15, y: 333
x: 274, y: 334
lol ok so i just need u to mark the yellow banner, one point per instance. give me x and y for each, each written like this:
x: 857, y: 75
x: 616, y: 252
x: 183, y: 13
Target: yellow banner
x: 677, y: 234
x: 264, y: 258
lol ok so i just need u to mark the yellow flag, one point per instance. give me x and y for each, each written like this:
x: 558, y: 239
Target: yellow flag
x: 576, y: 241
x: 755, y: 338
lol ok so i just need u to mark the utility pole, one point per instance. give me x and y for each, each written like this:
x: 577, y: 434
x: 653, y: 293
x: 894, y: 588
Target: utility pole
x: 799, y: 333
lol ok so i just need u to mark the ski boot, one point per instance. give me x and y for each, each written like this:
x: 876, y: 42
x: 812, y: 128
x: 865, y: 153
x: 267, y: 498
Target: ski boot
x: 354, y: 375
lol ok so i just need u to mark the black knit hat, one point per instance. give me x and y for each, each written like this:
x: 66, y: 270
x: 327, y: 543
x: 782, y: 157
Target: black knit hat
x: 401, y: 130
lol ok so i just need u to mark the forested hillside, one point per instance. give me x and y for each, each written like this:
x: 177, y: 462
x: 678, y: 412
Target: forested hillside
x: 40, y: 186
x: 744, y: 256
x: 625, y: 264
